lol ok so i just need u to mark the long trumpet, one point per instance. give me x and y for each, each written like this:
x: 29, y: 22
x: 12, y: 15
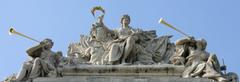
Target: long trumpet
x: 13, y: 31
x: 165, y: 23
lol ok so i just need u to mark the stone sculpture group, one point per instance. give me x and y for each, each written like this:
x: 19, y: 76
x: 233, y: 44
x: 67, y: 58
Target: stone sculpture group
x: 124, y: 46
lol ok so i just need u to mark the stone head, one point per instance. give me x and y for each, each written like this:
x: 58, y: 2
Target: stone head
x: 125, y: 20
x: 201, y: 44
x: 48, y: 43
x: 232, y: 77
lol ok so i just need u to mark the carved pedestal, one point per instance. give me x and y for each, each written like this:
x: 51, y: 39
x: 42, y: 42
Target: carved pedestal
x: 122, y: 73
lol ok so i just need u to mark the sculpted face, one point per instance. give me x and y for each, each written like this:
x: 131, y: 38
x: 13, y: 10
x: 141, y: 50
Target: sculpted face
x: 201, y: 44
x: 125, y: 22
x: 49, y: 44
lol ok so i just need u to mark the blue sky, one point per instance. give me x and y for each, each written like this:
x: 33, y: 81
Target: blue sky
x: 217, y: 21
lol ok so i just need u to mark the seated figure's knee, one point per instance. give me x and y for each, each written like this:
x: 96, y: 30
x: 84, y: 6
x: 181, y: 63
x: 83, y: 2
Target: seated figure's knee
x: 130, y: 39
x: 114, y: 46
x: 27, y: 65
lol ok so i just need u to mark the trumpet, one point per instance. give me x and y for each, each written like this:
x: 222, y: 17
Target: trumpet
x: 169, y: 25
x: 13, y: 31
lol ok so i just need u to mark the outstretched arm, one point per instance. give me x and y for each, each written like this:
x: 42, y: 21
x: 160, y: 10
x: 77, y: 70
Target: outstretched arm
x: 35, y: 51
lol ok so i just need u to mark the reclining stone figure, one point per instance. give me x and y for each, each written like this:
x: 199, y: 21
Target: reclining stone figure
x: 42, y: 64
x: 197, y: 61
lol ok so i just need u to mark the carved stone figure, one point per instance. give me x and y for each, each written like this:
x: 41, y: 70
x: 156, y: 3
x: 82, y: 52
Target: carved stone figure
x: 182, y: 50
x: 41, y: 64
x: 143, y: 50
x: 122, y: 47
x: 92, y: 49
x: 96, y: 53
x: 106, y: 46
x: 75, y: 55
x: 197, y: 61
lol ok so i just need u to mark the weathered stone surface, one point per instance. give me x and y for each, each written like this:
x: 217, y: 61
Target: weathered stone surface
x: 135, y: 70
x: 122, y: 73
x: 116, y: 78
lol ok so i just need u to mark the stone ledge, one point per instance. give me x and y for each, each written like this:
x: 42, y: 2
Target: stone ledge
x: 121, y: 79
x: 120, y: 73
x: 129, y: 70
